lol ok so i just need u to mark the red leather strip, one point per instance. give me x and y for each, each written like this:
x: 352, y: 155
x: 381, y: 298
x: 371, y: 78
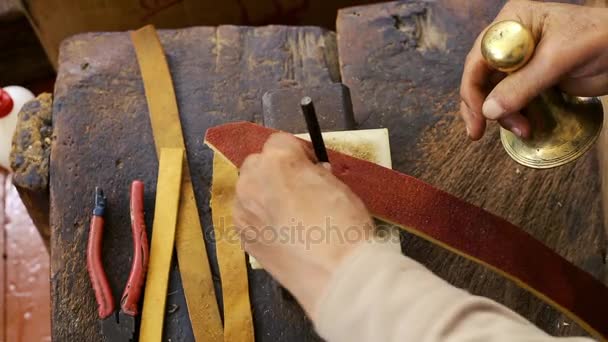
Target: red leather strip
x: 452, y: 223
x: 130, y: 298
x: 103, y: 292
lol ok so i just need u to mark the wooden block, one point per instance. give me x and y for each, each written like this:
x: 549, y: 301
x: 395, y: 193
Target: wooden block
x: 402, y: 62
x: 102, y: 136
x: 30, y: 155
x: 332, y: 103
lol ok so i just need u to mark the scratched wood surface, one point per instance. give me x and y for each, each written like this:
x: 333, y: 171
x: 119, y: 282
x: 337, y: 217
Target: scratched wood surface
x: 403, y: 62
x: 102, y: 137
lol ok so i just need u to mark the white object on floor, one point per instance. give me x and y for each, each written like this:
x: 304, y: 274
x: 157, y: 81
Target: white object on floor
x: 369, y: 144
x: 8, y: 118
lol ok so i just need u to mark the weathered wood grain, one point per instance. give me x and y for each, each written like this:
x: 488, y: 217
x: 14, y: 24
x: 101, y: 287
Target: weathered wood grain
x: 102, y: 136
x: 30, y: 154
x: 403, y: 62
x: 332, y: 103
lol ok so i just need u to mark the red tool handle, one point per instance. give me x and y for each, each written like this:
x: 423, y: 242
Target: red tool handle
x: 130, y: 298
x: 99, y: 280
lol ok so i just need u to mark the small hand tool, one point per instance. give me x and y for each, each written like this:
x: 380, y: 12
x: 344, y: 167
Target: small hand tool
x: 314, y: 129
x: 118, y: 325
x: 563, y: 127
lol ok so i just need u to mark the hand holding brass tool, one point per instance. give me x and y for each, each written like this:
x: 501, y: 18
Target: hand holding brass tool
x: 571, y: 53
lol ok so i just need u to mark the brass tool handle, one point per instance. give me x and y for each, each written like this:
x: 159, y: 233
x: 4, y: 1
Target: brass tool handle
x: 562, y: 127
x: 507, y: 45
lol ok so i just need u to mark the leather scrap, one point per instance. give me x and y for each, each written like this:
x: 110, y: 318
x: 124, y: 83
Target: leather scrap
x: 194, y: 268
x: 451, y: 223
x: 232, y: 261
x: 161, y: 245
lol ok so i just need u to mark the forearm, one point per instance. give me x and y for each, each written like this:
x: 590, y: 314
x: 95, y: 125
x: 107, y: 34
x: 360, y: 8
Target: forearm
x: 379, y: 295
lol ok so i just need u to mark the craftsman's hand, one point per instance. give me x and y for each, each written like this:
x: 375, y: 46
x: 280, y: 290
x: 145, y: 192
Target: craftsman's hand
x: 571, y: 52
x: 285, y: 207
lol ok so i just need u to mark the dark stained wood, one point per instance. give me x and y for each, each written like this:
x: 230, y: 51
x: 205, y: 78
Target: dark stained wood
x: 102, y: 136
x: 30, y: 154
x: 332, y: 102
x: 403, y: 62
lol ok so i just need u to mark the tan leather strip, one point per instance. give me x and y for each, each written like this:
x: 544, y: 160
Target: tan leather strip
x: 194, y: 267
x: 161, y: 246
x: 238, y: 323
x: 453, y: 224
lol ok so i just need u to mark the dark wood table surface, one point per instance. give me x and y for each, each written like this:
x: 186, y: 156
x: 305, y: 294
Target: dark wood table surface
x: 402, y: 62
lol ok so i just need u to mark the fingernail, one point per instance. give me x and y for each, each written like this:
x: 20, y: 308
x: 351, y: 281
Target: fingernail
x: 492, y: 109
x: 468, y: 132
x: 516, y: 131
x: 326, y: 166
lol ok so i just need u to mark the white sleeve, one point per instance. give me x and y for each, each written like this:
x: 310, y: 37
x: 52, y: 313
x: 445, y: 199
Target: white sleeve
x: 377, y: 294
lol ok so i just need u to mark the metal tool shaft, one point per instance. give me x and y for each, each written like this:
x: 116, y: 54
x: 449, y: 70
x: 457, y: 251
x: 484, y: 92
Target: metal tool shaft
x: 314, y: 129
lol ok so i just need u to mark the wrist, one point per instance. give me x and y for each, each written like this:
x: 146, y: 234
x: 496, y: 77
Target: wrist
x: 310, y: 279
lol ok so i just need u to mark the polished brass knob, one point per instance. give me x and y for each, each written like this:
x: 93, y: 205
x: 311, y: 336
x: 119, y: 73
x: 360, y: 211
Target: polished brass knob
x: 563, y: 127
x: 507, y: 45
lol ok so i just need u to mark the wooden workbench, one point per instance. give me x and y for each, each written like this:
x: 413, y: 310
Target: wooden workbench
x: 402, y: 62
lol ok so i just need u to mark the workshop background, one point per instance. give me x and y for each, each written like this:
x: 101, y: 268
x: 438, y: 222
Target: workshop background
x: 30, y: 35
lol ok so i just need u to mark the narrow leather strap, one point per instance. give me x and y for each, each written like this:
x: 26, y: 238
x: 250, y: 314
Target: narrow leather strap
x: 447, y: 221
x: 238, y: 323
x: 161, y: 246
x: 192, y: 257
